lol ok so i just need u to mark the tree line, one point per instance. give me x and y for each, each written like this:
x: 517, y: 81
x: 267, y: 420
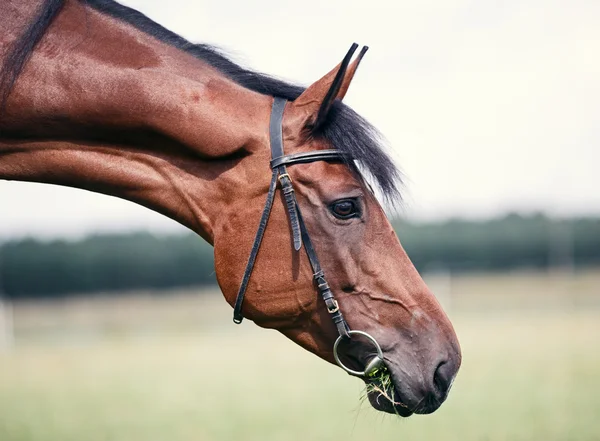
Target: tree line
x: 111, y: 263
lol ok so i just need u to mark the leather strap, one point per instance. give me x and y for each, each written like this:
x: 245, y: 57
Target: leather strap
x: 297, y: 225
x: 275, y: 129
x: 276, y: 136
x: 304, y: 157
x: 321, y: 284
x: 264, y: 219
x: 276, y: 141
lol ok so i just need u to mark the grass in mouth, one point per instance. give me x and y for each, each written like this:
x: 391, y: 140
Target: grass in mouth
x: 380, y: 382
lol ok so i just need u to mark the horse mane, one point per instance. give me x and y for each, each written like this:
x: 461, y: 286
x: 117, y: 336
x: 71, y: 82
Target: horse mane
x: 344, y: 129
x: 23, y: 47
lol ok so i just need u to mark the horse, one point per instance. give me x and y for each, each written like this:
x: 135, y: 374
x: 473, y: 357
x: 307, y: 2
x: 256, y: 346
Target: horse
x: 97, y: 96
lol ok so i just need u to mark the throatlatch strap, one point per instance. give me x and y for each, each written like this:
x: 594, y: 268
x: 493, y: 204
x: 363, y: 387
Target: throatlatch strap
x: 237, y: 309
x: 276, y: 141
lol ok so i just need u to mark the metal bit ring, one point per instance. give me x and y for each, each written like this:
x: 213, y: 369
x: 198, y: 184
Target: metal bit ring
x: 369, y: 364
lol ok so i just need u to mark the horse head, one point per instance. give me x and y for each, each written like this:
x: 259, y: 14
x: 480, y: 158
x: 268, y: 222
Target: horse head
x: 377, y: 288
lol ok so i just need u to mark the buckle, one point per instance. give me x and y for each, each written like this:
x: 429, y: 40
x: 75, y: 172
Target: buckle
x: 335, y: 309
x: 284, y: 175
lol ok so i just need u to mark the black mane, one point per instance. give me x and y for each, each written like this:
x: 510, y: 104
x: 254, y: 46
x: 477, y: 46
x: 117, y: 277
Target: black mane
x: 344, y: 129
x: 21, y: 51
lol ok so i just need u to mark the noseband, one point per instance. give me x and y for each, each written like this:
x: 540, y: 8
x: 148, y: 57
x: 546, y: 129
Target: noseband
x: 279, y: 161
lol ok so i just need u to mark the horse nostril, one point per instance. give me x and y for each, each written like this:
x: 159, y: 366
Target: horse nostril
x: 442, y: 377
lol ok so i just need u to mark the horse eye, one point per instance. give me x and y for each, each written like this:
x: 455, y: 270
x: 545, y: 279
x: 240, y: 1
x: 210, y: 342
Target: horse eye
x: 344, y: 209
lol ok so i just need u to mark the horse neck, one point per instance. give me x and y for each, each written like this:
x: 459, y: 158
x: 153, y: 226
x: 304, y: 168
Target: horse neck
x: 105, y: 107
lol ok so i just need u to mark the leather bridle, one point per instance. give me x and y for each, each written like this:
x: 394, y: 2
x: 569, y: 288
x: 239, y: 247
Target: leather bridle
x: 279, y: 161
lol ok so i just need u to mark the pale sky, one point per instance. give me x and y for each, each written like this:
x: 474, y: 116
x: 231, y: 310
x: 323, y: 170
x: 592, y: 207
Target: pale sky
x: 488, y: 106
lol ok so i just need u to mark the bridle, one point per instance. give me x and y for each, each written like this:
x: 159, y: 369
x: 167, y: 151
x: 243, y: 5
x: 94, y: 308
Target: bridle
x: 279, y: 161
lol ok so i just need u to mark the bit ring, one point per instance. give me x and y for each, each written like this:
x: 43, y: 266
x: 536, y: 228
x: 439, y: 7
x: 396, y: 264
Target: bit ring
x: 370, y: 363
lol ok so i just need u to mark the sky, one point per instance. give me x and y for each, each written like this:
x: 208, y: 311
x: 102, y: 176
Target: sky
x: 488, y: 107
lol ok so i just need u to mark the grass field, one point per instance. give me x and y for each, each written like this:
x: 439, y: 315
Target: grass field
x: 174, y: 368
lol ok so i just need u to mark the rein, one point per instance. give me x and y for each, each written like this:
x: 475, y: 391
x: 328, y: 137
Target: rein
x: 279, y: 161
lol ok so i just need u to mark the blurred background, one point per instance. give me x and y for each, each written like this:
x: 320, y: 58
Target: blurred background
x: 112, y: 327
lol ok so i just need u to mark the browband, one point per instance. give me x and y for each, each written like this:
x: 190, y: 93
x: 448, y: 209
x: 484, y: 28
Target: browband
x: 305, y: 157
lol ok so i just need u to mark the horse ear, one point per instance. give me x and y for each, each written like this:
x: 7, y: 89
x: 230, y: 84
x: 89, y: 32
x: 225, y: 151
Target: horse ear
x: 315, y: 102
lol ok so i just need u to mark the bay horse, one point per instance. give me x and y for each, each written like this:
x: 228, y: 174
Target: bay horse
x: 95, y: 95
